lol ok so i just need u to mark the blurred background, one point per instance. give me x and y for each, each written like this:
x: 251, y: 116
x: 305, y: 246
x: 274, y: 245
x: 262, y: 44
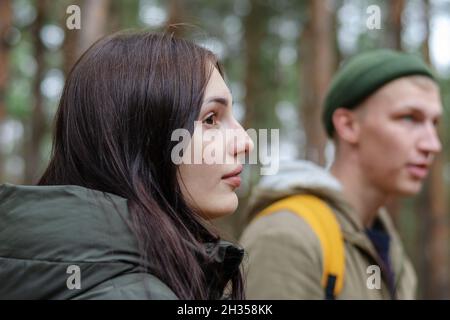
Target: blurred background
x: 279, y: 56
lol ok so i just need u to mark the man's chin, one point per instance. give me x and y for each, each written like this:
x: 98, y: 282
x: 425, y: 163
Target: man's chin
x: 411, y: 189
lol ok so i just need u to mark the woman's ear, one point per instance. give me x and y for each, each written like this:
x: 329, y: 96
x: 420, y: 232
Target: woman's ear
x: 346, y: 124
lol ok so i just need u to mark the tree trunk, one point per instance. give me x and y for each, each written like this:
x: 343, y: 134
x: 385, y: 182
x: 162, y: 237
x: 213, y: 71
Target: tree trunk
x: 71, y: 43
x: 255, y: 26
x: 94, y: 15
x: 175, y: 18
x: 38, y: 121
x: 316, y: 48
x: 394, y: 35
x: 426, y: 44
x: 5, y: 25
x: 437, y: 234
x: 394, y: 41
x: 434, y: 215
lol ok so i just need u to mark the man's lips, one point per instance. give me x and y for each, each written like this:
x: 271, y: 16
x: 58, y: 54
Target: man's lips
x: 418, y: 170
x: 232, y: 178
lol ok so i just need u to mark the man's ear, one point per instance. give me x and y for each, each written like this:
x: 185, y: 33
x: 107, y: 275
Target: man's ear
x: 346, y: 125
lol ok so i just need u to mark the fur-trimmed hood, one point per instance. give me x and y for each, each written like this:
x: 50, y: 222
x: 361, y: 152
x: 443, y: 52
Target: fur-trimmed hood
x: 292, y: 178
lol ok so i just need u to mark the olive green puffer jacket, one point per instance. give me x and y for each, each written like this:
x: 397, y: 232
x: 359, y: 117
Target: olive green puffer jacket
x: 70, y: 242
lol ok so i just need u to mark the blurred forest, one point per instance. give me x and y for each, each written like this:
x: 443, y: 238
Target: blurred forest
x: 279, y: 56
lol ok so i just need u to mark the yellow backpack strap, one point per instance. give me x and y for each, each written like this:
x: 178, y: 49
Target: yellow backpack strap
x: 323, y: 222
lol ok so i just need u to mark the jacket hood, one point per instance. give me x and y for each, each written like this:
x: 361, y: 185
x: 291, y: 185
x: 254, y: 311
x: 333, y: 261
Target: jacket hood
x: 47, y: 230
x: 292, y: 178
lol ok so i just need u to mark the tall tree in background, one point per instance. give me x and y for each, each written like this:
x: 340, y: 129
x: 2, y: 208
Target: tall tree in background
x: 254, y: 34
x: 175, y: 17
x: 426, y: 42
x: 317, y: 63
x: 37, y: 119
x: 338, y: 57
x: 394, y: 41
x: 94, y: 25
x: 71, y: 41
x: 5, y: 28
x: 394, y: 34
x: 433, y: 211
x: 93, y: 22
x: 255, y: 26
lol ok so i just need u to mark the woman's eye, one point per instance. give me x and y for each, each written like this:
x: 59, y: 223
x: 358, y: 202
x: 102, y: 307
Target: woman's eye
x: 211, y: 120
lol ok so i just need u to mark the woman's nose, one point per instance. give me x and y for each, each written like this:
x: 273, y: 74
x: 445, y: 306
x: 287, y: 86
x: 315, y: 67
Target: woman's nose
x: 241, y: 143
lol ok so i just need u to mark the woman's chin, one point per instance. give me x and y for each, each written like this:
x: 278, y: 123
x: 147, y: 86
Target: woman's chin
x: 223, y: 206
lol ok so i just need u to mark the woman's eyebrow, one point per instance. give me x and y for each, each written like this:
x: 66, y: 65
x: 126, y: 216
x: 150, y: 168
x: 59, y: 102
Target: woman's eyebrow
x: 217, y: 99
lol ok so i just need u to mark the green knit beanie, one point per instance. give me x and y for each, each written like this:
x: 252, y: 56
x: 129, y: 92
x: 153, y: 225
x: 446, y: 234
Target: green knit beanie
x: 366, y: 73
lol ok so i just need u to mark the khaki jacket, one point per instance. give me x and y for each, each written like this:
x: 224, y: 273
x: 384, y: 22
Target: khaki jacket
x: 284, y: 255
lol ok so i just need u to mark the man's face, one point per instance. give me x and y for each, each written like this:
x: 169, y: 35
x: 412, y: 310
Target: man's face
x: 398, y: 138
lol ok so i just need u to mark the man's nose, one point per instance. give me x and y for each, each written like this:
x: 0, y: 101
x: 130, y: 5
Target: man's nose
x: 430, y: 141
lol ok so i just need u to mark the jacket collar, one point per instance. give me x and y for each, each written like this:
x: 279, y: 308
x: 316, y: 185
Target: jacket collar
x: 224, y: 259
x: 354, y: 233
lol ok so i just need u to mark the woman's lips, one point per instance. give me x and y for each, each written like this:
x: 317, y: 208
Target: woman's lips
x: 418, y: 171
x: 232, y: 178
x: 234, y: 181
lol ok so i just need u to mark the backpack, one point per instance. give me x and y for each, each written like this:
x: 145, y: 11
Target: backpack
x: 323, y: 222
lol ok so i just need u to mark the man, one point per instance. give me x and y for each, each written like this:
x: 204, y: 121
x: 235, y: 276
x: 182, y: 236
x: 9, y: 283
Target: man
x: 381, y: 111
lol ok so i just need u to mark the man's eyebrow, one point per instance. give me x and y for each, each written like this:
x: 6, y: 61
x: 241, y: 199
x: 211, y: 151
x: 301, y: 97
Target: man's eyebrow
x: 416, y: 109
x: 217, y: 99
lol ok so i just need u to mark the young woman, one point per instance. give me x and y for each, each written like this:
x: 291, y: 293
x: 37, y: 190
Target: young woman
x: 113, y: 216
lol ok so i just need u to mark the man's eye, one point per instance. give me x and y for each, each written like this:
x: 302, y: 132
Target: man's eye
x: 211, y: 120
x: 409, y: 118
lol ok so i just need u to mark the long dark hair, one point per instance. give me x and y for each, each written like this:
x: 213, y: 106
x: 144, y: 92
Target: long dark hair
x: 120, y: 104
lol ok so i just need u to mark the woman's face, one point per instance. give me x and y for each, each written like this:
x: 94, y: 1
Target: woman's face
x: 210, y: 177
